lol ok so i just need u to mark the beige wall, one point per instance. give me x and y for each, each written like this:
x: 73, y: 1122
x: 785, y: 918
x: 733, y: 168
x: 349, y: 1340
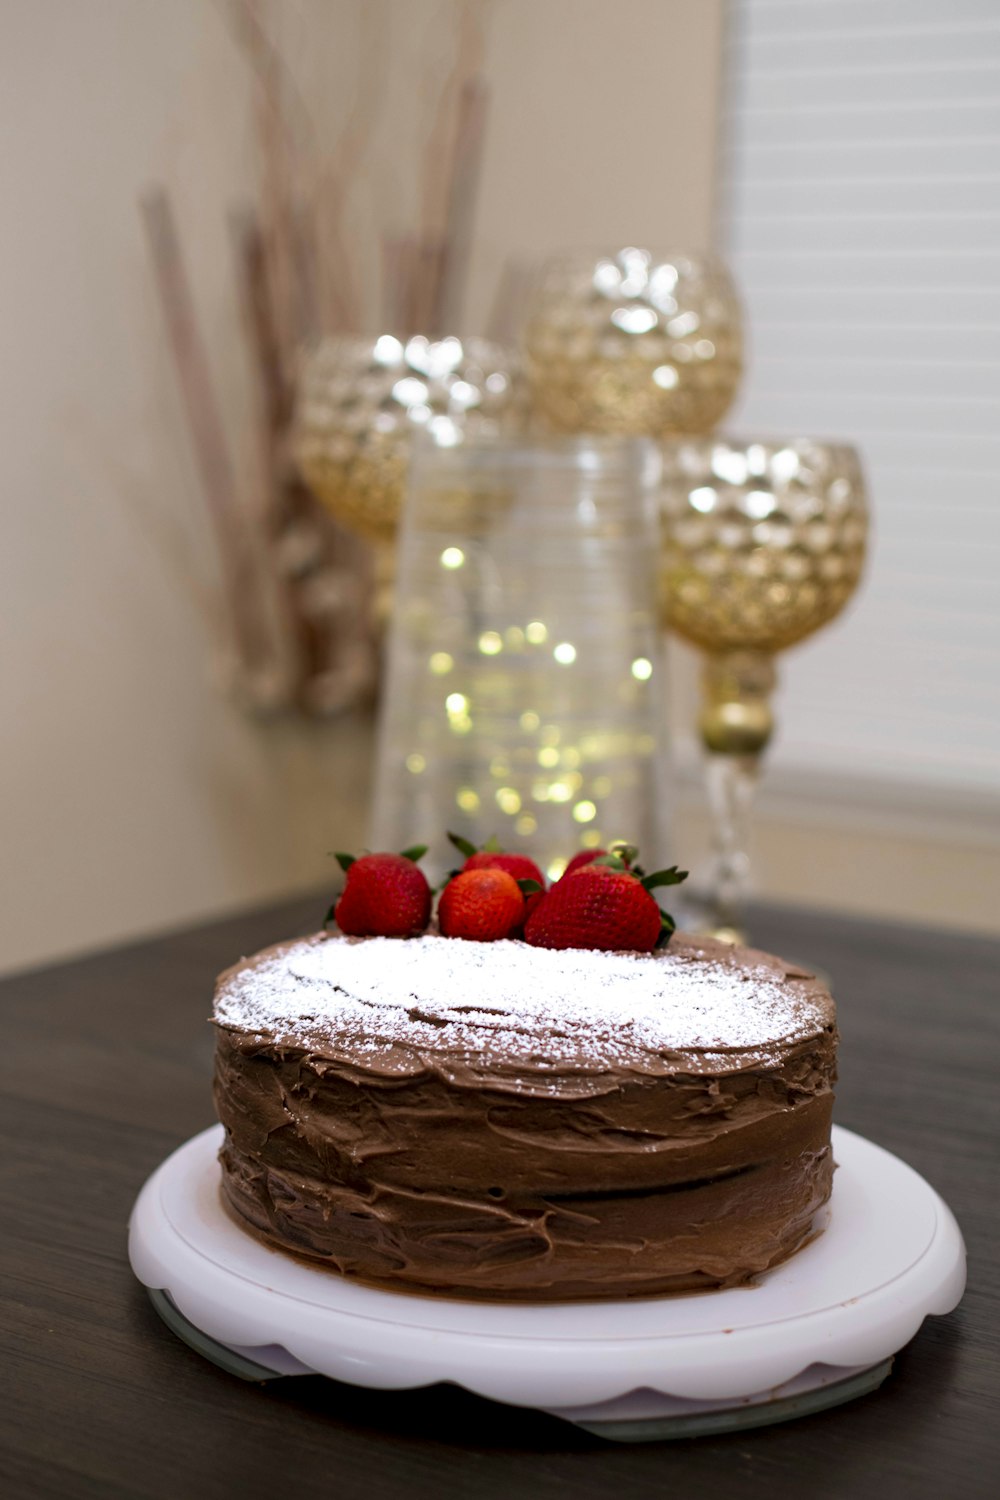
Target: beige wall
x: 133, y: 795
x: 603, y: 130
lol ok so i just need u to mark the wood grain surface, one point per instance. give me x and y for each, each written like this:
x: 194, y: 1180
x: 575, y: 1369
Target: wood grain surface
x: 107, y: 1066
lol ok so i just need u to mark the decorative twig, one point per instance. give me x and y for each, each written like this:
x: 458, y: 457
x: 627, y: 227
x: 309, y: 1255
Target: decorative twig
x: 278, y: 479
x: 393, y: 300
x: 429, y: 261
x: 276, y: 390
x: 340, y: 300
x: 297, y: 586
x: 447, y: 192
x: 240, y: 574
x: 276, y: 140
x: 319, y: 574
x: 507, y: 310
x: 470, y: 135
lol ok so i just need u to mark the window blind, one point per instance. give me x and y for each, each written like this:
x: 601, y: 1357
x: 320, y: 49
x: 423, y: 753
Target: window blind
x: 860, y: 211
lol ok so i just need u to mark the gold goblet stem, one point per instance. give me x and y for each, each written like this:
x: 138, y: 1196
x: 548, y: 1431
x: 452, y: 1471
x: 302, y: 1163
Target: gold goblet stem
x: 736, y: 723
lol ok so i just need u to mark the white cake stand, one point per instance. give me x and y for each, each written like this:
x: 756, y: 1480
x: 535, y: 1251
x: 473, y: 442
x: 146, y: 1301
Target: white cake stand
x: 814, y: 1332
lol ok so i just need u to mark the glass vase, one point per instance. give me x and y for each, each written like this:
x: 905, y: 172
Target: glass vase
x: 522, y: 693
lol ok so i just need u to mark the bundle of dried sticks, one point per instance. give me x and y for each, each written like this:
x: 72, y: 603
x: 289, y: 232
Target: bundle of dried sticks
x: 297, y: 586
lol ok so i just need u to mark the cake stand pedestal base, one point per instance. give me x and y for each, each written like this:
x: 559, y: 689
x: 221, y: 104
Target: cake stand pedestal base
x: 813, y: 1333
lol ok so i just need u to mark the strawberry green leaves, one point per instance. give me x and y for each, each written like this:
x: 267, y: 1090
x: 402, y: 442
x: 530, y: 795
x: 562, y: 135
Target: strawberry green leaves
x: 673, y: 876
x: 415, y: 852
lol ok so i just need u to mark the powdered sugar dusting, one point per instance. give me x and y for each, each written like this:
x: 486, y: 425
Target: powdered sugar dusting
x: 388, y: 1000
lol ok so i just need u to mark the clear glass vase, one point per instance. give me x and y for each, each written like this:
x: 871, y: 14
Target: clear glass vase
x: 522, y: 696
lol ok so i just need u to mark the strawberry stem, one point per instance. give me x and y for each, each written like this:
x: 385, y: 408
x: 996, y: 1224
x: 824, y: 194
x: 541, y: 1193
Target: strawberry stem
x: 627, y: 853
x: 667, y: 929
x: 417, y: 851
x: 345, y: 861
x: 462, y: 845
x: 673, y: 876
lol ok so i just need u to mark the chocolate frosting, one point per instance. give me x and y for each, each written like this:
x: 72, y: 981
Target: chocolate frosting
x: 499, y: 1121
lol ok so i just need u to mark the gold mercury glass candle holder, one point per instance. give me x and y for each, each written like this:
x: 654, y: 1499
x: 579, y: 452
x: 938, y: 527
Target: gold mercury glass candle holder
x: 636, y: 342
x: 362, y: 401
x: 763, y: 543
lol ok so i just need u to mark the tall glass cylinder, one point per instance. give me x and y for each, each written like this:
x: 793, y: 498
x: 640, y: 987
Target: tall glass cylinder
x: 522, y: 693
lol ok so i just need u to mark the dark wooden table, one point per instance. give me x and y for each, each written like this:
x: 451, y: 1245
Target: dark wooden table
x: 106, y: 1067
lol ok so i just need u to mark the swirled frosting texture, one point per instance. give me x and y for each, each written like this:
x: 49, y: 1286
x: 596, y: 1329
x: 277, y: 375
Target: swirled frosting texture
x: 501, y: 1121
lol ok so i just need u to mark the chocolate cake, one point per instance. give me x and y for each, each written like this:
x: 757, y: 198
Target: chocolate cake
x: 499, y: 1121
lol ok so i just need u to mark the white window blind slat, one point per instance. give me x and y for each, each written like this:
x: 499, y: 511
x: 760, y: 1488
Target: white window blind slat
x: 936, y: 339
x: 892, y: 307
x: 763, y: 54
x: 781, y: 160
x: 907, y: 121
x: 820, y: 197
x: 824, y: 412
x: 860, y: 209
x: 967, y: 235
x: 920, y: 271
x: 906, y: 450
x: 929, y: 85
x: 917, y: 491
x: 819, y: 19
x: 921, y: 380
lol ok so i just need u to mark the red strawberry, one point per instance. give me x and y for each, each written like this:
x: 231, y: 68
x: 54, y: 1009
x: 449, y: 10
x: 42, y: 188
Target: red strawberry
x: 602, y: 905
x: 492, y: 857
x: 624, y: 852
x: 585, y: 857
x: 518, y: 865
x: 385, y: 895
x: 482, y: 905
